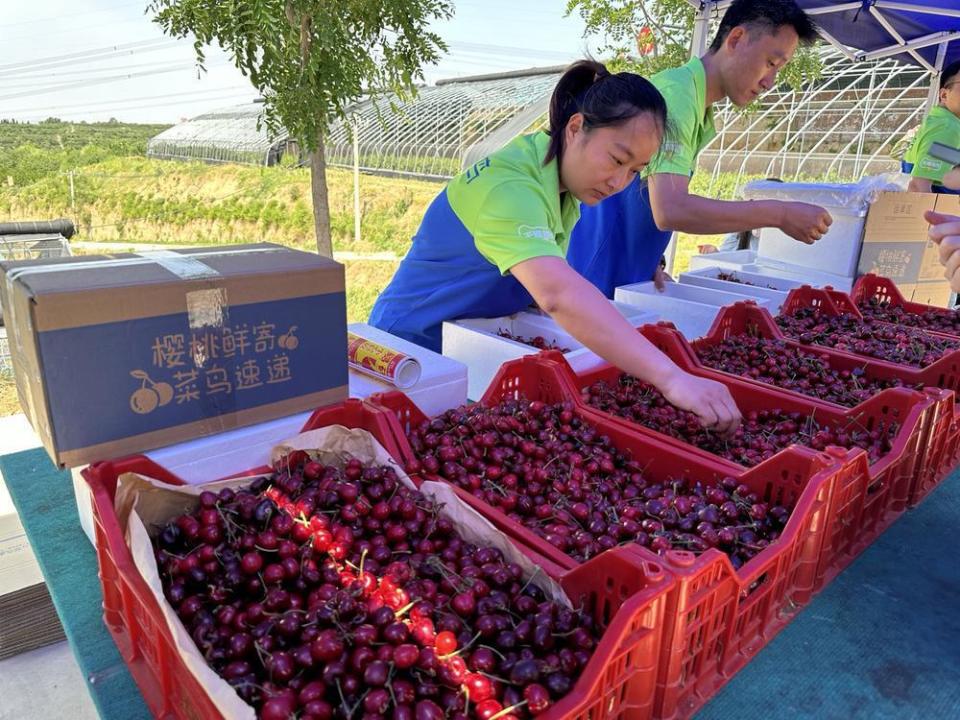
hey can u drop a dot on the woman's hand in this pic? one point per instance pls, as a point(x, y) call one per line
point(707, 399)
point(588, 316)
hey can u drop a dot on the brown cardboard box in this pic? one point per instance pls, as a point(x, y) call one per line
point(120, 354)
point(895, 244)
point(29, 619)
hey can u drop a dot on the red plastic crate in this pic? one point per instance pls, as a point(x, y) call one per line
point(717, 618)
point(891, 477)
point(935, 449)
point(944, 373)
point(874, 287)
point(627, 595)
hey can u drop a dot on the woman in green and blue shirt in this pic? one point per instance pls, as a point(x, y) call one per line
point(495, 239)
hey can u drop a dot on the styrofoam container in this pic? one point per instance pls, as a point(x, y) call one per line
point(476, 343)
point(84, 499)
point(583, 358)
point(692, 309)
point(443, 380)
point(802, 275)
point(635, 316)
point(839, 248)
point(762, 288)
point(728, 260)
point(229, 452)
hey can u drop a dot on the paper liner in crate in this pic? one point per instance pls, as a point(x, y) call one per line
point(144, 506)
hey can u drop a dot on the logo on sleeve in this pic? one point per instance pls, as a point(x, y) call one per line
point(531, 232)
point(474, 172)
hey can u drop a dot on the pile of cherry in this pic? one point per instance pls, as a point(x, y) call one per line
point(326, 592)
point(546, 468)
point(775, 362)
point(539, 342)
point(734, 278)
point(761, 435)
point(902, 345)
point(939, 321)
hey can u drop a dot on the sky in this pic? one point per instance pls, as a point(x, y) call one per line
point(99, 59)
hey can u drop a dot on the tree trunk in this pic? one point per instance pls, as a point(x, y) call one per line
point(321, 207)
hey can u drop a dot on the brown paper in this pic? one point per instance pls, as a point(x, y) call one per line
point(144, 506)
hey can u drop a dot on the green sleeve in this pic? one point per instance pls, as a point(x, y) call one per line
point(512, 225)
point(678, 151)
point(928, 167)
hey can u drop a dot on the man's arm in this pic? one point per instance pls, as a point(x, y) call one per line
point(675, 208)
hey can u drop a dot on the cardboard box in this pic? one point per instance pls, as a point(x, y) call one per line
point(120, 354)
point(29, 618)
point(895, 244)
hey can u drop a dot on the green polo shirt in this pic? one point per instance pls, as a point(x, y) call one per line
point(690, 120)
point(940, 126)
point(510, 203)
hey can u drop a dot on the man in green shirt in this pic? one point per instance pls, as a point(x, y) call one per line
point(942, 125)
point(621, 240)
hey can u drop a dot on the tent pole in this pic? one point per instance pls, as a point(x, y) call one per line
point(934, 92)
point(698, 47)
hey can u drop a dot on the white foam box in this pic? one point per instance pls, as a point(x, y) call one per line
point(443, 380)
point(728, 260)
point(762, 287)
point(838, 251)
point(476, 343)
point(800, 275)
point(635, 316)
point(224, 454)
point(692, 309)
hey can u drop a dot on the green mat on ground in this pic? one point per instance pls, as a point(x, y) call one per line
point(881, 642)
point(45, 502)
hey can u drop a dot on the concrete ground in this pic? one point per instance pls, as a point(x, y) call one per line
point(44, 683)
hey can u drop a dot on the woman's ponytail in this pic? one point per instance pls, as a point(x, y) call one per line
point(603, 98)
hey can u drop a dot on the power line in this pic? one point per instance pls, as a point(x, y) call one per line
point(83, 71)
point(117, 110)
point(114, 103)
point(87, 55)
point(38, 86)
point(91, 83)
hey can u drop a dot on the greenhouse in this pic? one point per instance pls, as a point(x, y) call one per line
point(446, 127)
point(846, 123)
point(231, 135)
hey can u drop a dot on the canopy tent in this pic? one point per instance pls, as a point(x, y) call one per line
point(919, 32)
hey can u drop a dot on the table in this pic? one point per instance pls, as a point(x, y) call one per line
point(882, 642)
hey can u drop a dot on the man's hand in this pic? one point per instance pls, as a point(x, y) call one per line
point(660, 279)
point(707, 249)
point(945, 231)
point(804, 222)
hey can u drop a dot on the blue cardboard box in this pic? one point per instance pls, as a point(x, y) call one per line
point(119, 354)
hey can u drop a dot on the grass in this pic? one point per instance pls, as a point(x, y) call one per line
point(9, 402)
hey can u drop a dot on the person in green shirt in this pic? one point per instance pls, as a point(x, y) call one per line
point(621, 240)
point(942, 125)
point(493, 241)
